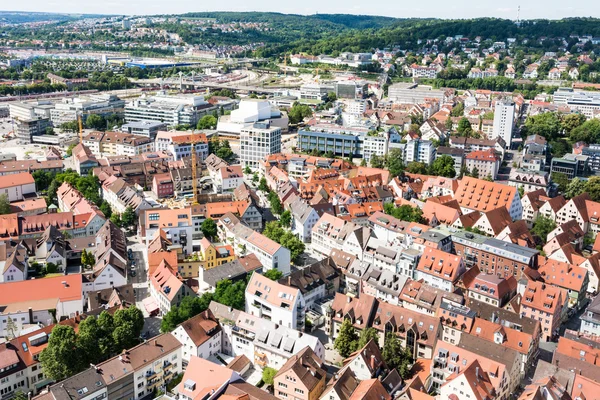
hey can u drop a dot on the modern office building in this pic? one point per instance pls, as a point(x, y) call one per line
point(258, 141)
point(69, 109)
point(144, 128)
point(585, 102)
point(351, 89)
point(571, 165)
point(340, 144)
point(170, 110)
point(30, 118)
point(412, 93)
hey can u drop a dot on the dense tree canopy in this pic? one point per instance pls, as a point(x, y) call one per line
point(97, 339)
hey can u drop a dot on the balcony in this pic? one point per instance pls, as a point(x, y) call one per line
point(153, 375)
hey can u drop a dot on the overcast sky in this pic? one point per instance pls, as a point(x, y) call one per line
point(433, 8)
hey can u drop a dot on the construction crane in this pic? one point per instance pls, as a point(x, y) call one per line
point(194, 169)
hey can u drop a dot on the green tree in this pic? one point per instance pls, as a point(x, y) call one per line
point(95, 121)
point(521, 191)
point(87, 258)
point(298, 112)
point(209, 228)
point(61, 358)
point(588, 132)
point(88, 336)
point(415, 167)
point(106, 210)
point(366, 335)
point(475, 172)
point(397, 357)
point(207, 122)
point(273, 274)
point(545, 124)
point(42, 179)
point(592, 187)
point(116, 219)
point(394, 162)
point(347, 341)
point(404, 212)
point(575, 188)
point(542, 226)
point(363, 163)
point(571, 121)
point(293, 244)
point(449, 123)
point(268, 375)
point(286, 219)
point(458, 110)
point(377, 161)
point(275, 203)
point(464, 127)
point(70, 149)
point(128, 217)
point(4, 204)
point(255, 178)
point(262, 186)
point(51, 268)
point(443, 166)
point(561, 180)
point(224, 151)
point(49, 130)
point(247, 170)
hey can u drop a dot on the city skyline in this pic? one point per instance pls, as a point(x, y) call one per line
point(552, 9)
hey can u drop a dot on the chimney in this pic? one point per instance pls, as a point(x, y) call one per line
point(155, 342)
point(289, 280)
point(348, 299)
point(477, 373)
point(30, 315)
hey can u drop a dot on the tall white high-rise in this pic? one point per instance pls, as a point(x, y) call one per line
point(504, 120)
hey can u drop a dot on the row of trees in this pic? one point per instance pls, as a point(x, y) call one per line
point(276, 232)
point(404, 212)
point(577, 186)
point(394, 355)
point(221, 148)
point(391, 161)
point(227, 292)
point(441, 166)
point(96, 340)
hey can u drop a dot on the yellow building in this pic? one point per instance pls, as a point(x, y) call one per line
point(213, 256)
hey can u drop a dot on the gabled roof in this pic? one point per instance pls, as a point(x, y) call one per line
point(307, 366)
point(201, 327)
point(360, 311)
point(441, 264)
point(498, 219)
point(371, 389)
point(481, 195)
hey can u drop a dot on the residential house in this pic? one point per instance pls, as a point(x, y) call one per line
point(302, 377)
point(547, 303)
point(279, 303)
point(440, 269)
point(200, 336)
